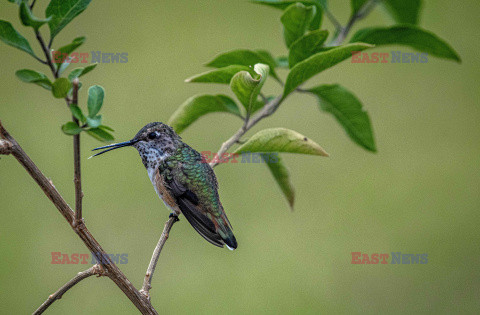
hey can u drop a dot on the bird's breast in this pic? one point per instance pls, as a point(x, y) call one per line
point(161, 190)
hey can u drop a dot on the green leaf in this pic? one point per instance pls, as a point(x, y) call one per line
point(77, 113)
point(243, 57)
point(96, 94)
point(348, 111)
point(307, 45)
point(64, 51)
point(69, 48)
point(78, 72)
point(17, 1)
point(403, 11)
point(100, 134)
point(106, 128)
point(63, 12)
point(63, 66)
point(94, 122)
point(281, 175)
point(60, 87)
point(319, 62)
point(281, 140)
point(11, 37)
point(296, 20)
point(30, 76)
point(266, 58)
point(318, 18)
point(247, 88)
point(71, 128)
point(222, 75)
point(283, 4)
point(407, 35)
point(28, 19)
point(199, 105)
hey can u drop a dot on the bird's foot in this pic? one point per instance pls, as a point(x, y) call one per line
point(174, 215)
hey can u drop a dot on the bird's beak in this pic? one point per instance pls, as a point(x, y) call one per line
point(114, 146)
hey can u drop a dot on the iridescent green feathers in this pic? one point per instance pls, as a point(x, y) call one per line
point(194, 185)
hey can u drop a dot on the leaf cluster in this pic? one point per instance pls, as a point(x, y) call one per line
point(59, 13)
point(309, 53)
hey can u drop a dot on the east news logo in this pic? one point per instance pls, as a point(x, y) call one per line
point(397, 258)
point(385, 57)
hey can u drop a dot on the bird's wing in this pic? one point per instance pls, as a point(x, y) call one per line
point(190, 206)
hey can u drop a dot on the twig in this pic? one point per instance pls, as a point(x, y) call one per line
point(33, 3)
point(94, 270)
point(77, 179)
point(360, 14)
point(46, 52)
point(49, 62)
point(333, 19)
point(52, 193)
point(147, 282)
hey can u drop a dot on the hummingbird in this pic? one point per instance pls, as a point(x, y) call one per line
point(183, 180)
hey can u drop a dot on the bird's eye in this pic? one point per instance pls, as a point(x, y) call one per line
point(152, 135)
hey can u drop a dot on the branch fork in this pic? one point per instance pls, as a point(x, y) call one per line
point(5, 147)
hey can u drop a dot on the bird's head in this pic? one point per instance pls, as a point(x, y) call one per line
point(153, 141)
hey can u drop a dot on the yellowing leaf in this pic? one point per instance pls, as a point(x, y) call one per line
point(281, 140)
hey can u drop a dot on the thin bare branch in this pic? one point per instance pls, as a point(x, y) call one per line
point(94, 270)
point(77, 178)
point(90, 242)
point(147, 282)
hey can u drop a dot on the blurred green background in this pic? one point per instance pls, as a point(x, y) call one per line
point(418, 194)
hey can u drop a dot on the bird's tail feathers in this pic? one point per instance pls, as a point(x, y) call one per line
point(227, 235)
